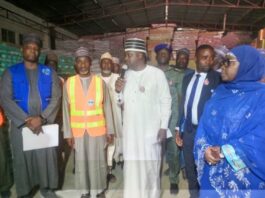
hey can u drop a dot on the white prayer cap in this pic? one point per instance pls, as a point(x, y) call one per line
point(135, 44)
point(81, 51)
point(106, 55)
point(116, 60)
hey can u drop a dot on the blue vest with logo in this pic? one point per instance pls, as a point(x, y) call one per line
point(21, 86)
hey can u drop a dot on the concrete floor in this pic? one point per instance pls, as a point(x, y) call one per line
point(115, 189)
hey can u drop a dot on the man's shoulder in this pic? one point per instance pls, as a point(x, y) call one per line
point(171, 71)
point(214, 74)
point(70, 77)
point(154, 70)
point(189, 74)
point(15, 66)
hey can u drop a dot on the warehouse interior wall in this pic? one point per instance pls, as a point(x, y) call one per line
point(19, 28)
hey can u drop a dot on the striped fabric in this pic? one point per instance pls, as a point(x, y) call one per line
point(81, 51)
point(135, 44)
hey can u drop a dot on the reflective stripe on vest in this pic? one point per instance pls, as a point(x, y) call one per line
point(75, 112)
point(89, 125)
point(86, 111)
point(1, 117)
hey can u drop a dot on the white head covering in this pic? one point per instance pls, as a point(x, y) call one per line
point(106, 55)
point(116, 60)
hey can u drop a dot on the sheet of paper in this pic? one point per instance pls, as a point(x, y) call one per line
point(49, 138)
point(169, 134)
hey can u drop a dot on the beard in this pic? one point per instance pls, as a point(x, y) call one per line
point(105, 71)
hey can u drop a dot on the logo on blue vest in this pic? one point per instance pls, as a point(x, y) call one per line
point(91, 102)
point(46, 71)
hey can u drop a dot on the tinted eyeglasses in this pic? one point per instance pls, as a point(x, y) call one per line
point(228, 59)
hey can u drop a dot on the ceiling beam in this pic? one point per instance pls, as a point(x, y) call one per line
point(250, 3)
point(88, 17)
point(216, 26)
point(129, 16)
point(229, 3)
point(244, 15)
point(100, 26)
point(259, 19)
point(206, 10)
point(145, 12)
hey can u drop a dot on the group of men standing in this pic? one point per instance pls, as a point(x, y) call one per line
point(106, 115)
point(189, 91)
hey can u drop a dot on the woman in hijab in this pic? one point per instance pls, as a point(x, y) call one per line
point(230, 142)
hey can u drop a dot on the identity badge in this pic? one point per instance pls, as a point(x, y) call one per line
point(91, 102)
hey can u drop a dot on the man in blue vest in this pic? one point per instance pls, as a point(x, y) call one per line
point(30, 95)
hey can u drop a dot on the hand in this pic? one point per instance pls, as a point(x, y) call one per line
point(119, 84)
point(70, 142)
point(34, 123)
point(110, 138)
point(212, 155)
point(162, 135)
point(179, 140)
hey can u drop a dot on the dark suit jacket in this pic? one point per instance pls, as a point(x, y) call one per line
point(207, 90)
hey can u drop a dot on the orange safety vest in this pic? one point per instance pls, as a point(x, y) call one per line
point(1, 117)
point(86, 111)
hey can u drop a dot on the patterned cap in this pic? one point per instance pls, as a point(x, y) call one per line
point(81, 51)
point(106, 55)
point(135, 44)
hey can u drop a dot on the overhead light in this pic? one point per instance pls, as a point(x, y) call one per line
point(114, 22)
point(179, 29)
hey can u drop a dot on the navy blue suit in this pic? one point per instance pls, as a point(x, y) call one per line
point(188, 136)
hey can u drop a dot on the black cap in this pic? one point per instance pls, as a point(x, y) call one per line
point(32, 38)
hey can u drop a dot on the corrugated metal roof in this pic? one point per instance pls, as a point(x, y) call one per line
point(88, 17)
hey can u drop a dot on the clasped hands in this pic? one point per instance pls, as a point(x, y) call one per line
point(34, 123)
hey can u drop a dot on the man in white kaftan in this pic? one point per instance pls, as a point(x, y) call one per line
point(114, 151)
point(147, 108)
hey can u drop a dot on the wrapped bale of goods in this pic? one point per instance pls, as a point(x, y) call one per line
point(9, 55)
point(95, 68)
point(185, 39)
point(232, 39)
point(100, 47)
point(150, 49)
point(161, 33)
point(141, 33)
point(210, 38)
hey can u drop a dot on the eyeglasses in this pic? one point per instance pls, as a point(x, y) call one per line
point(227, 61)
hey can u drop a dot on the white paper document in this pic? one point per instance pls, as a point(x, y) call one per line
point(169, 134)
point(49, 138)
